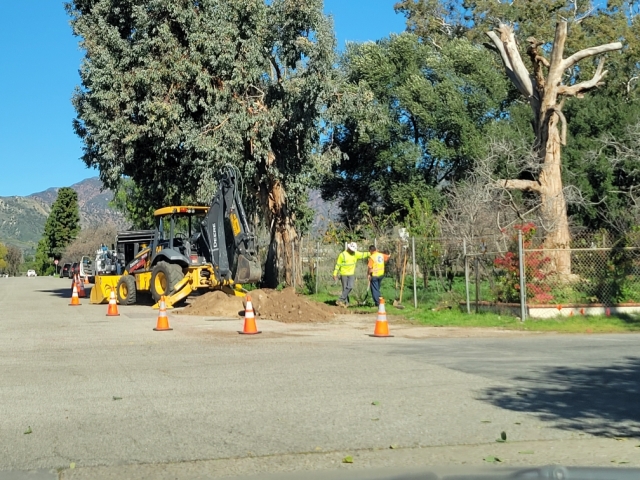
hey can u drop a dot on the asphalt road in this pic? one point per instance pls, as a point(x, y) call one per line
point(108, 397)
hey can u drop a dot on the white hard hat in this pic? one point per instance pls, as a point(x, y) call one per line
point(353, 246)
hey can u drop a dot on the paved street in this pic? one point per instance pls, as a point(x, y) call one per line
point(112, 398)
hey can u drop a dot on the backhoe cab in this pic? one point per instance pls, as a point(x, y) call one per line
point(192, 248)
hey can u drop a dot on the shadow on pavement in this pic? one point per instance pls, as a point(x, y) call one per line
point(63, 292)
point(596, 400)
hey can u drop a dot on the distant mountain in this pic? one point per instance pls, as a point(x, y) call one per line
point(22, 219)
point(325, 212)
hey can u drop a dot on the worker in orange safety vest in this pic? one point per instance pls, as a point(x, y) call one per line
point(376, 272)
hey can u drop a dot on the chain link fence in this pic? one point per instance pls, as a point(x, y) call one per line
point(453, 273)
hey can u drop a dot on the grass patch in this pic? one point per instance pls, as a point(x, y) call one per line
point(453, 317)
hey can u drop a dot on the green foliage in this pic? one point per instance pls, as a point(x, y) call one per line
point(423, 224)
point(173, 91)
point(131, 201)
point(609, 112)
point(3, 257)
point(434, 107)
point(61, 228)
point(13, 260)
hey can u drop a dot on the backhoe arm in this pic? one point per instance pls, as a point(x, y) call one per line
point(231, 244)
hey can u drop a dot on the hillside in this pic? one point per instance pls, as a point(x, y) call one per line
point(22, 219)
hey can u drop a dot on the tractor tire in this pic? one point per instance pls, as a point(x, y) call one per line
point(164, 277)
point(126, 290)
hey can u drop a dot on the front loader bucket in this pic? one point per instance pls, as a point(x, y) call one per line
point(248, 270)
point(101, 291)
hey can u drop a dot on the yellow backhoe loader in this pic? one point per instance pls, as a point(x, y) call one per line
point(192, 248)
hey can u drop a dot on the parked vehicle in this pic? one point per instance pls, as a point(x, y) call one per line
point(64, 272)
point(31, 273)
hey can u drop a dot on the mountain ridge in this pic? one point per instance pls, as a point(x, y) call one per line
point(22, 218)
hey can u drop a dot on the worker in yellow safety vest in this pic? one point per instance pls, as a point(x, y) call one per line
point(376, 272)
point(346, 268)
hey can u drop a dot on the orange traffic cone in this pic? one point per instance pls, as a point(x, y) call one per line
point(163, 320)
point(382, 327)
point(250, 327)
point(81, 292)
point(75, 301)
point(112, 310)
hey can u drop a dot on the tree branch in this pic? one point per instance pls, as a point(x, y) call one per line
point(558, 45)
point(579, 89)
point(590, 52)
point(537, 60)
point(523, 185)
point(516, 71)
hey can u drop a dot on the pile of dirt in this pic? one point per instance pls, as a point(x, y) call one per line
point(284, 306)
point(217, 304)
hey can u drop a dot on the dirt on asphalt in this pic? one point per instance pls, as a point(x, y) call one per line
point(285, 306)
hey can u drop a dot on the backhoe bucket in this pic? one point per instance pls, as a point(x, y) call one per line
point(248, 270)
point(101, 291)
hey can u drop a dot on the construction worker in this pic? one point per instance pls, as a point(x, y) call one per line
point(376, 272)
point(346, 268)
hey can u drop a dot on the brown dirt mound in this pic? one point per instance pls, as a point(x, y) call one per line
point(284, 306)
point(217, 304)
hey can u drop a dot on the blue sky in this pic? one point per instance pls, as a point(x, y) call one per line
point(39, 61)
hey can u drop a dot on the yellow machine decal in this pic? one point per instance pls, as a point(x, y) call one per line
point(235, 224)
point(143, 281)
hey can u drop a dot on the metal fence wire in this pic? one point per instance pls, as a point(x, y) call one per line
point(453, 273)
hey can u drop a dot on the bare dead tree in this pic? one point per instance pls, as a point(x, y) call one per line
point(477, 213)
point(88, 241)
point(546, 95)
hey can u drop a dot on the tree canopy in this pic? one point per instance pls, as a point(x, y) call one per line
point(61, 228)
point(434, 109)
point(609, 111)
point(172, 91)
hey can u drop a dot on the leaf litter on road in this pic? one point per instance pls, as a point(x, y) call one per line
point(28, 431)
point(492, 459)
point(526, 452)
point(347, 459)
point(375, 402)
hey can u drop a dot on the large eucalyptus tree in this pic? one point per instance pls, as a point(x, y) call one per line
point(172, 90)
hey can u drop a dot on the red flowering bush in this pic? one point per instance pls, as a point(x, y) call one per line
point(535, 267)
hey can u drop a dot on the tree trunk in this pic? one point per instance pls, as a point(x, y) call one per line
point(554, 207)
point(283, 251)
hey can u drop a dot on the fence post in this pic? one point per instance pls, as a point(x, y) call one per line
point(317, 264)
point(523, 280)
point(466, 274)
point(415, 291)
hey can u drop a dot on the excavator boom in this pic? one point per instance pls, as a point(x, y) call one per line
point(229, 244)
